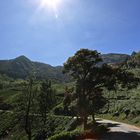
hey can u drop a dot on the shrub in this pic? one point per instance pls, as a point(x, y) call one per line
point(66, 135)
point(97, 132)
point(7, 122)
point(135, 113)
point(136, 120)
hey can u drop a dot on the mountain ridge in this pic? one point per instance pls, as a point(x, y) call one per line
point(22, 67)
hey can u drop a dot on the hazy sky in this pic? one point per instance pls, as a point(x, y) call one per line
point(51, 33)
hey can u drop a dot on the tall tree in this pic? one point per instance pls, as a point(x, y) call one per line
point(91, 78)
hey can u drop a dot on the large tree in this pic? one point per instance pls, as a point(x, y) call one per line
point(91, 78)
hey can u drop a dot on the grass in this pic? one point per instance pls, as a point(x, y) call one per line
point(8, 95)
point(60, 88)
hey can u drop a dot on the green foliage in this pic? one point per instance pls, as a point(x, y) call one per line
point(82, 63)
point(52, 126)
point(8, 95)
point(94, 132)
point(59, 109)
point(133, 61)
point(72, 135)
point(7, 122)
point(55, 121)
point(25, 108)
point(46, 99)
point(130, 101)
point(81, 67)
point(60, 87)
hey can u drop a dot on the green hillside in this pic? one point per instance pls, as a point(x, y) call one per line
point(125, 104)
point(22, 67)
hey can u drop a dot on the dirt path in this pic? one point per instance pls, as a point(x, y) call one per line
point(121, 131)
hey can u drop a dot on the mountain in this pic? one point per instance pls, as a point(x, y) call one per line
point(113, 58)
point(133, 61)
point(22, 67)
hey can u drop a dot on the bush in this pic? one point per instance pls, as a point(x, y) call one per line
point(135, 113)
point(7, 122)
point(96, 132)
point(66, 135)
point(137, 120)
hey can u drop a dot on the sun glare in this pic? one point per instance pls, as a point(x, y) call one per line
point(54, 4)
point(51, 5)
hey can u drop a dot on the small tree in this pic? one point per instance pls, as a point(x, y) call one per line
point(25, 108)
point(46, 99)
point(29, 109)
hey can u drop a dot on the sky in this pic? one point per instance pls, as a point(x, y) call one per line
point(51, 32)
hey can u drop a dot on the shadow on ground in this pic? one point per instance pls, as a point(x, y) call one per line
point(112, 124)
point(119, 135)
point(122, 136)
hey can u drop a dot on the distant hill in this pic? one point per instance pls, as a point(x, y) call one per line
point(133, 61)
point(21, 67)
point(113, 58)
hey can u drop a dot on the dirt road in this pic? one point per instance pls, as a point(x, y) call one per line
point(121, 131)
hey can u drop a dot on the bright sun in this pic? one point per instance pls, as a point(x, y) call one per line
point(50, 4)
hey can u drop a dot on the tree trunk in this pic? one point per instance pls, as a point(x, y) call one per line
point(85, 123)
point(27, 115)
point(44, 116)
point(29, 136)
point(93, 118)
